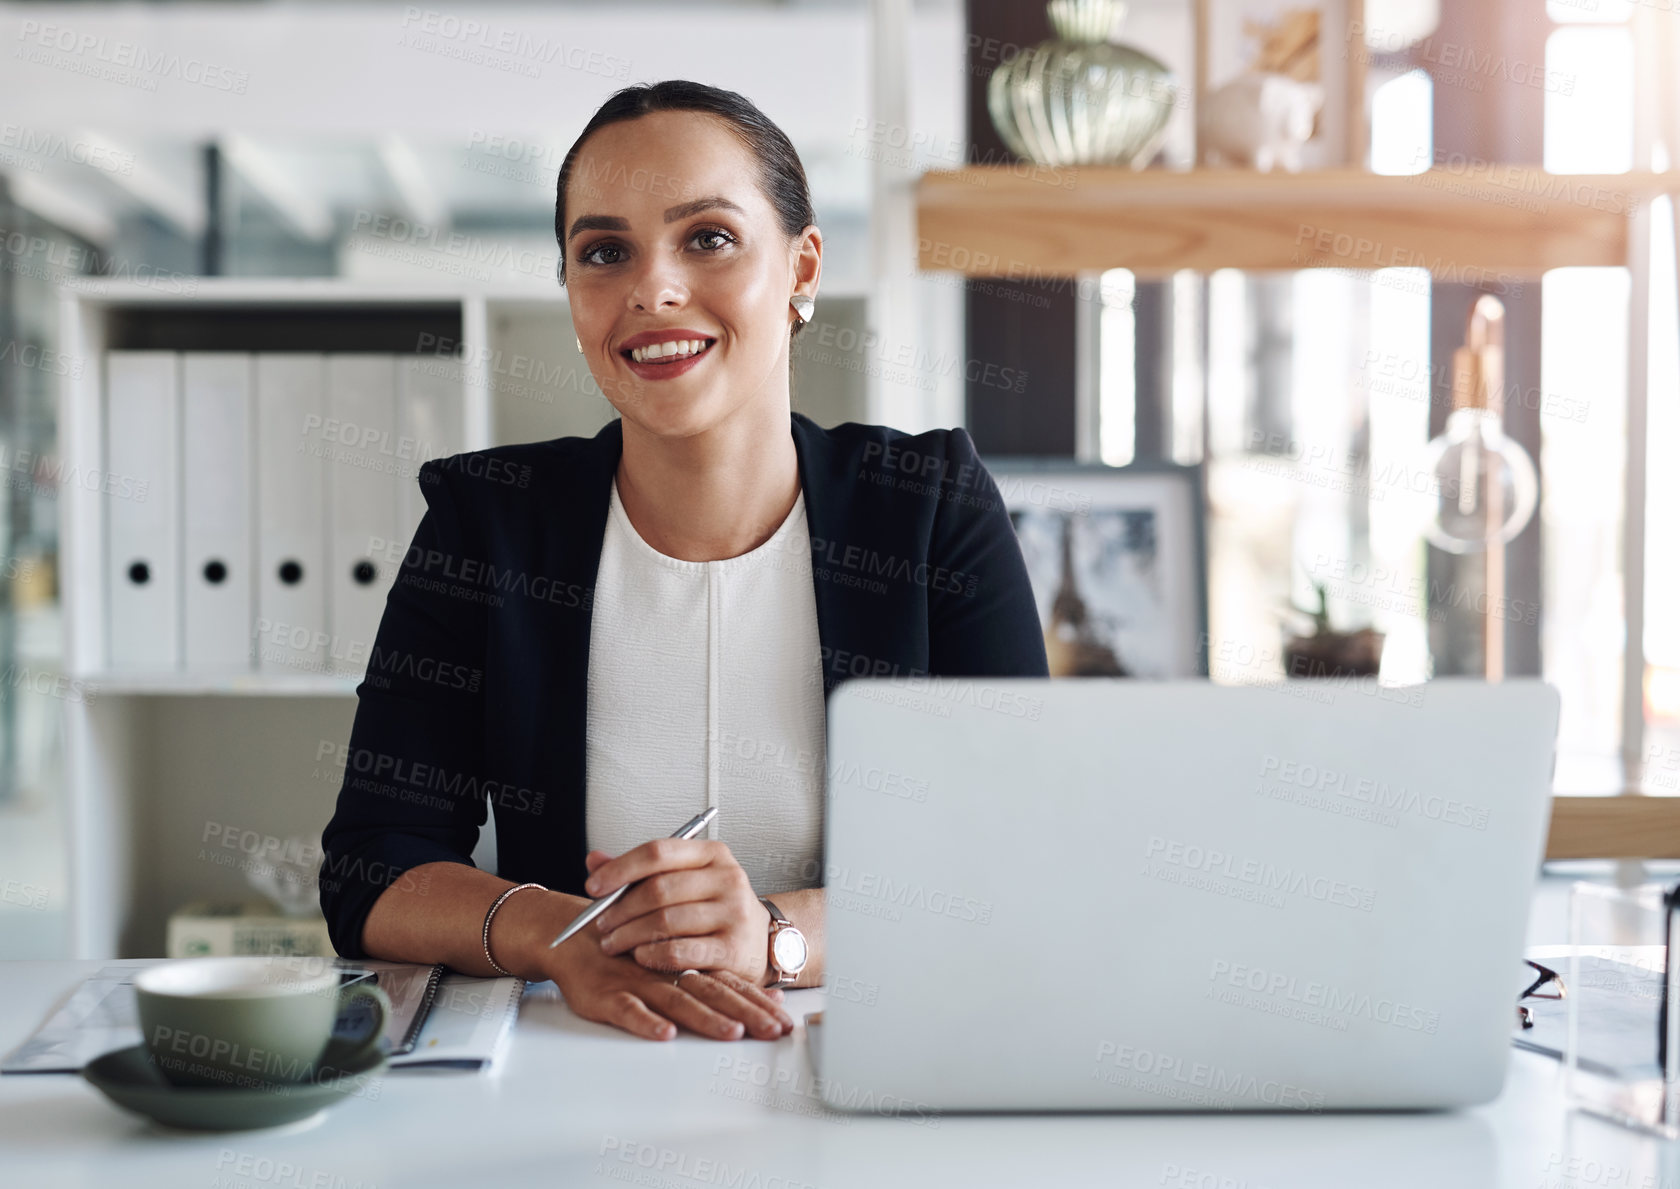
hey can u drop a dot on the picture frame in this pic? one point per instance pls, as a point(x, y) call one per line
point(1118, 562)
point(1235, 36)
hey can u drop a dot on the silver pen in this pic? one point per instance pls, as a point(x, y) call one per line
point(694, 826)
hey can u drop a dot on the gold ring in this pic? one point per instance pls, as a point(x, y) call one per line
point(677, 982)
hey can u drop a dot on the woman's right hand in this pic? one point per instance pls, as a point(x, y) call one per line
point(617, 990)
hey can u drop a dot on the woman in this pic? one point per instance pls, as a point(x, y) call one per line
point(603, 636)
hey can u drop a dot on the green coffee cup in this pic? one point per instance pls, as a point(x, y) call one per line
point(250, 1022)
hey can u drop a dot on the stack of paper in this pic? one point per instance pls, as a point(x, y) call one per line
point(1618, 1018)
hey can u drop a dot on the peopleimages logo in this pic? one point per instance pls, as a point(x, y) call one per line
point(1240, 984)
point(1380, 795)
point(823, 1092)
point(1267, 881)
point(872, 894)
point(863, 560)
point(1196, 1083)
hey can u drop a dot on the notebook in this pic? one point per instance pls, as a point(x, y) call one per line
point(439, 1019)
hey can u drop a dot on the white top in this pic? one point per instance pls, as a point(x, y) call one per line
point(705, 688)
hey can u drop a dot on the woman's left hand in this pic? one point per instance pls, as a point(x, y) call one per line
point(694, 909)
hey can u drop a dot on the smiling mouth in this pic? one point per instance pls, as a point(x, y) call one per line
point(706, 345)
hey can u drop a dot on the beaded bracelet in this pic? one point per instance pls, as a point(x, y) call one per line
point(495, 965)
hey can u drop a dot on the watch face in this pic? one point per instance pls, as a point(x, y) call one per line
point(791, 950)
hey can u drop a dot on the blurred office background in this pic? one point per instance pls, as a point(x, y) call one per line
point(394, 145)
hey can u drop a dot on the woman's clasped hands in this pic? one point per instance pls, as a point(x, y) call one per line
point(687, 946)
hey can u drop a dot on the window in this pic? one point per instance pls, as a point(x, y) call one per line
point(1316, 398)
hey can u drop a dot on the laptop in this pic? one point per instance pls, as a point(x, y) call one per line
point(1114, 895)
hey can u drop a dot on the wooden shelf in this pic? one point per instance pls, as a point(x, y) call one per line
point(1625, 827)
point(1024, 223)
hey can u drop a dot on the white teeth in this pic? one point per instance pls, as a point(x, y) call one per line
point(673, 347)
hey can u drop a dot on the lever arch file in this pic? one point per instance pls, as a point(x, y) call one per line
point(431, 419)
point(362, 452)
point(216, 488)
point(142, 509)
point(291, 627)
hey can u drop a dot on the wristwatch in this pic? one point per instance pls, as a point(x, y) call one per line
point(788, 949)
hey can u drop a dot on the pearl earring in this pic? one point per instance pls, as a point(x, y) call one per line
point(579, 342)
point(802, 305)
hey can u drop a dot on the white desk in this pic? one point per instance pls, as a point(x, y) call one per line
point(578, 1104)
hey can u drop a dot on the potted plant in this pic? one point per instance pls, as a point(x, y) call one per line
point(1327, 652)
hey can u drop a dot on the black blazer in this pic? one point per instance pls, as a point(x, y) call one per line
point(476, 682)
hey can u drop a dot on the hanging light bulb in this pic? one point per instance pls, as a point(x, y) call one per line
point(1484, 483)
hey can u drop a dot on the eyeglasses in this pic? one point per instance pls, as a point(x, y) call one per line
point(1548, 976)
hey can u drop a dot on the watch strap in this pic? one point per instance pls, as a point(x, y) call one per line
point(778, 921)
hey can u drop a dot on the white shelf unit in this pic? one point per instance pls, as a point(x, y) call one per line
point(162, 770)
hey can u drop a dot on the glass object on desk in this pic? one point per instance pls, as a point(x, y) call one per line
point(1621, 973)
